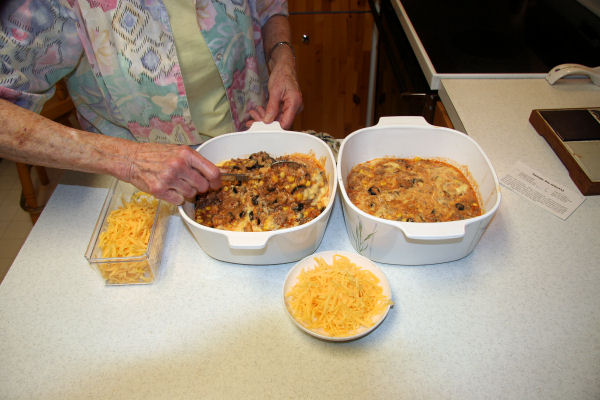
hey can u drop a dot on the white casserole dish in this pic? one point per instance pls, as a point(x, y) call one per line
point(411, 243)
point(272, 247)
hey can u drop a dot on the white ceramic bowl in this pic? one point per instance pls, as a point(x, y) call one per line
point(309, 263)
point(272, 247)
point(412, 243)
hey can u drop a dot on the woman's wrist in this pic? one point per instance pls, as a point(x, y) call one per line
point(281, 55)
point(276, 46)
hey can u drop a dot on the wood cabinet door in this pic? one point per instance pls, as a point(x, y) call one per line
point(327, 5)
point(332, 61)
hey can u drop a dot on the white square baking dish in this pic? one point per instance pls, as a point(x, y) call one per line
point(270, 247)
point(414, 243)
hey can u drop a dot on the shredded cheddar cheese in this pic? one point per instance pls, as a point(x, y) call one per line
point(337, 299)
point(127, 235)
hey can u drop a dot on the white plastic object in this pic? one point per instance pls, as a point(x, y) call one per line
point(262, 127)
point(563, 70)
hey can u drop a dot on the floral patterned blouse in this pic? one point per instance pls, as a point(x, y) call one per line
point(120, 62)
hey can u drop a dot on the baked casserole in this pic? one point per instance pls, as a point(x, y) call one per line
point(272, 196)
point(412, 190)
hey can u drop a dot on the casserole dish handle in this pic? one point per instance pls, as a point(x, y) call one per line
point(445, 230)
point(403, 121)
point(243, 241)
point(262, 127)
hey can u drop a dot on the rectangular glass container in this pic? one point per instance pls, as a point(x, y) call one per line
point(138, 269)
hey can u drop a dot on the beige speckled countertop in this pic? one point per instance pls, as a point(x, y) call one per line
point(519, 318)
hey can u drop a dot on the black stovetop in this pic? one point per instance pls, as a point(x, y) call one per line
point(505, 36)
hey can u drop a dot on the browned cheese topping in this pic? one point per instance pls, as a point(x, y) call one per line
point(275, 197)
point(412, 190)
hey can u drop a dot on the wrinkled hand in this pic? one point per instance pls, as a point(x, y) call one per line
point(171, 172)
point(285, 97)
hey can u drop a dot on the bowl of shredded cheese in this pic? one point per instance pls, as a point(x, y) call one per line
point(127, 242)
point(337, 295)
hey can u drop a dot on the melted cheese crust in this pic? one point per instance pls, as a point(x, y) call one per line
point(412, 190)
point(284, 196)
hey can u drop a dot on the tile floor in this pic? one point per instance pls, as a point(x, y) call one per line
point(15, 223)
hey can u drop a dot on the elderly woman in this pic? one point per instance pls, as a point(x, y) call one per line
point(151, 76)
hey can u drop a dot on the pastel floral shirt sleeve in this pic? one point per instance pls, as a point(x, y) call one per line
point(119, 59)
point(39, 45)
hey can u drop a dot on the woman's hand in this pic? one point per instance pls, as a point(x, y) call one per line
point(171, 172)
point(285, 97)
point(257, 114)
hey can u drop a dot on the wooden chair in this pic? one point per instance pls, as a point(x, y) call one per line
point(60, 109)
point(29, 201)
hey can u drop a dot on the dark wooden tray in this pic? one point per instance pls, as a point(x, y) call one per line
point(564, 128)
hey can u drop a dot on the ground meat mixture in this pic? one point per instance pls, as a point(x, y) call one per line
point(274, 197)
point(412, 190)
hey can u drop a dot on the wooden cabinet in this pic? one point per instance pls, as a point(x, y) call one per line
point(332, 40)
point(324, 6)
point(441, 117)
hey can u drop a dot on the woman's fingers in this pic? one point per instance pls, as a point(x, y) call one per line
point(172, 173)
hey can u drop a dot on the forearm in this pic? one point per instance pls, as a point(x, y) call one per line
point(30, 138)
point(277, 29)
point(285, 98)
